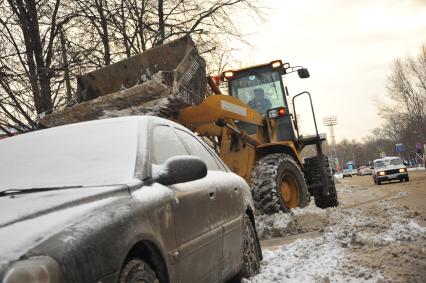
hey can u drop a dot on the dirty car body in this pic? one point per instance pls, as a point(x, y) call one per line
point(102, 196)
point(388, 169)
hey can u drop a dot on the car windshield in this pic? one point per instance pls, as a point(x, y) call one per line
point(87, 154)
point(380, 164)
point(260, 89)
point(395, 161)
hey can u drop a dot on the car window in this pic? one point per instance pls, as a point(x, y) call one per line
point(196, 148)
point(380, 164)
point(219, 161)
point(395, 161)
point(165, 145)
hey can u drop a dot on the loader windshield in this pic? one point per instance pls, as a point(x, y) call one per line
point(260, 89)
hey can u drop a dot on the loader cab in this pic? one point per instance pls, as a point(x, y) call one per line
point(261, 88)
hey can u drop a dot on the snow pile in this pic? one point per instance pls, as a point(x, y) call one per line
point(404, 232)
point(403, 194)
point(346, 188)
point(299, 220)
point(315, 260)
point(354, 245)
point(300, 261)
point(275, 225)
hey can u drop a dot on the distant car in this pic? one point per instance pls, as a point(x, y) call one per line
point(365, 170)
point(134, 199)
point(347, 173)
point(388, 169)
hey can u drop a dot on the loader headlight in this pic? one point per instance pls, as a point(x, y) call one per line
point(277, 64)
point(382, 173)
point(278, 112)
point(228, 74)
point(41, 269)
point(402, 170)
point(273, 113)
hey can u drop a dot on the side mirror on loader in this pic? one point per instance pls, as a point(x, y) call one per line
point(303, 73)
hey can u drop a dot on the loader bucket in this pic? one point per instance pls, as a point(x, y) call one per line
point(179, 57)
point(159, 82)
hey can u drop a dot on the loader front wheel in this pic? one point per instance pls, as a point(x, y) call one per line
point(278, 184)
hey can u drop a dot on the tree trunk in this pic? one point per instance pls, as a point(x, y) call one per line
point(161, 32)
point(65, 66)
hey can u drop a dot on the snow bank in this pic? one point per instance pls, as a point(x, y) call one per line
point(346, 250)
point(299, 220)
point(316, 260)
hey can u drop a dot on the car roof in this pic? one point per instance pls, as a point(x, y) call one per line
point(387, 158)
point(143, 119)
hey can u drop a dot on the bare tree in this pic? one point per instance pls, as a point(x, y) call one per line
point(404, 112)
point(45, 44)
point(29, 32)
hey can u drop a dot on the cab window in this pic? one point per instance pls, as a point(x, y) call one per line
point(261, 90)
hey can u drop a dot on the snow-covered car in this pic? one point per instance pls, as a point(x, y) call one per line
point(365, 170)
point(388, 169)
point(346, 173)
point(133, 199)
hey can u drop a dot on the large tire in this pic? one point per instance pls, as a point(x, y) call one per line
point(137, 271)
point(278, 184)
point(252, 253)
point(313, 176)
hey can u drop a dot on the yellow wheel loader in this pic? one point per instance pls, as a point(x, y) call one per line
point(251, 127)
point(256, 135)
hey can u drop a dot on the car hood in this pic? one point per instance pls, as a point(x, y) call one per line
point(28, 219)
point(390, 167)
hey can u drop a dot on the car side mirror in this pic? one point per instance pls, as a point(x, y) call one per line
point(180, 169)
point(303, 73)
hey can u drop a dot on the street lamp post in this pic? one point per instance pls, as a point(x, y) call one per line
point(330, 122)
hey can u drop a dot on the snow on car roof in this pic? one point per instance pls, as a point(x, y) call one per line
point(91, 153)
point(386, 158)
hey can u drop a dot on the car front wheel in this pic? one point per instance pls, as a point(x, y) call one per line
point(137, 271)
point(252, 253)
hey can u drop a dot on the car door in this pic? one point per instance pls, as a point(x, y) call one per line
point(228, 209)
point(197, 231)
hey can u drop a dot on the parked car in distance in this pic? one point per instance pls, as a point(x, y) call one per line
point(347, 173)
point(364, 170)
point(131, 199)
point(388, 169)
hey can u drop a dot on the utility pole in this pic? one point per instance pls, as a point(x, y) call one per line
point(330, 122)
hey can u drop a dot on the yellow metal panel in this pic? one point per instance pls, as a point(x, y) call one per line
point(218, 107)
point(209, 130)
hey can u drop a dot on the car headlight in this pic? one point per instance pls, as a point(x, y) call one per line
point(382, 173)
point(41, 269)
point(402, 170)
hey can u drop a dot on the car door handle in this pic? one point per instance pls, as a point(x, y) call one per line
point(211, 195)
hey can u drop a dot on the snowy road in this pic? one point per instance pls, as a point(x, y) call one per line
point(377, 235)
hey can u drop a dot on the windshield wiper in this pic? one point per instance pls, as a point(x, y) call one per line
point(13, 192)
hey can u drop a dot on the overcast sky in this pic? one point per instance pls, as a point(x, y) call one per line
point(348, 47)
